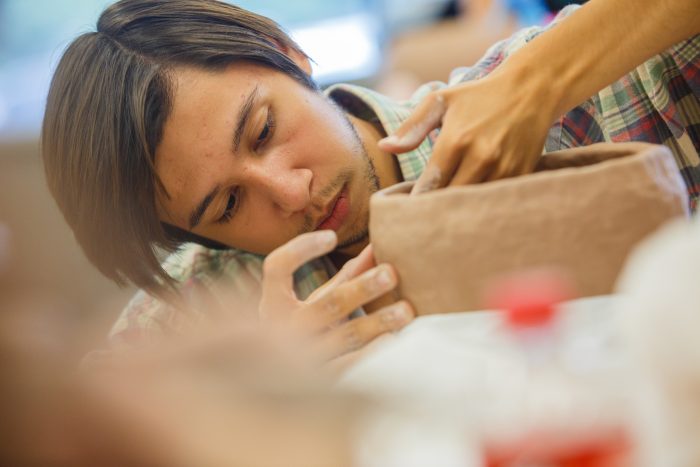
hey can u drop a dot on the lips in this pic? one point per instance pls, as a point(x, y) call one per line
point(338, 212)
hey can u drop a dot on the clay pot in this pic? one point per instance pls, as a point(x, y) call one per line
point(447, 245)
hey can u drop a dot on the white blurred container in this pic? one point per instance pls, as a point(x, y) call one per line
point(661, 322)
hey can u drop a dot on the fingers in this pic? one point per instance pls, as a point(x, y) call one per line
point(457, 158)
point(426, 117)
point(279, 266)
point(476, 170)
point(355, 334)
point(356, 266)
point(431, 179)
point(468, 161)
point(353, 268)
point(446, 158)
point(339, 302)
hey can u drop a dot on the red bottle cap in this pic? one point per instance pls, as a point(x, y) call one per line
point(530, 299)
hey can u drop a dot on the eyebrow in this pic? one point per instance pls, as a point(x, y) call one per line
point(243, 116)
point(201, 208)
point(242, 120)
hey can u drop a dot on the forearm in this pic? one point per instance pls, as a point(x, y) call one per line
point(597, 44)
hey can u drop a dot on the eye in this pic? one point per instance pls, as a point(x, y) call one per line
point(231, 206)
point(266, 131)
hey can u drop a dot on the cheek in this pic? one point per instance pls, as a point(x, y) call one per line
point(260, 229)
point(322, 139)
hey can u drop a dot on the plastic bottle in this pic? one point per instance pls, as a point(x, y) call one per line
point(555, 430)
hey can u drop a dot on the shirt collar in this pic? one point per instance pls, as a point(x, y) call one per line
point(374, 107)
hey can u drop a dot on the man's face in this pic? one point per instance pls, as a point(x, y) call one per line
point(251, 158)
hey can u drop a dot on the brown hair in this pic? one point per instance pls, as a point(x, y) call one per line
point(107, 104)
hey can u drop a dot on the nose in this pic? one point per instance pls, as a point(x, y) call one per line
point(288, 188)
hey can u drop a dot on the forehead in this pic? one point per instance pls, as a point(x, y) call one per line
point(197, 91)
point(204, 101)
point(201, 123)
point(205, 105)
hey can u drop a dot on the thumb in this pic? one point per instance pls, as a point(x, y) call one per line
point(425, 118)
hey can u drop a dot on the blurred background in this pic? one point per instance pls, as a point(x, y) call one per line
point(389, 45)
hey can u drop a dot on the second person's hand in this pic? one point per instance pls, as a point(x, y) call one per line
point(491, 128)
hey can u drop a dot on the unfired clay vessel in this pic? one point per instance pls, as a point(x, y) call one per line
point(447, 245)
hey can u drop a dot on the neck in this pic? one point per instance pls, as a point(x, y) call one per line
point(386, 164)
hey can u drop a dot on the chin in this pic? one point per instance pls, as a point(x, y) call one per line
point(351, 240)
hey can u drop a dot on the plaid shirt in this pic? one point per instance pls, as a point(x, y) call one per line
point(658, 102)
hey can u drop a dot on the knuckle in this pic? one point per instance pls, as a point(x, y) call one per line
point(485, 155)
point(396, 316)
point(458, 139)
point(509, 168)
point(333, 304)
point(367, 288)
point(432, 98)
point(353, 337)
point(378, 280)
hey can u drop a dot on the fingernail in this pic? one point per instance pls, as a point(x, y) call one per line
point(399, 313)
point(332, 307)
point(385, 278)
point(392, 140)
point(326, 238)
point(428, 181)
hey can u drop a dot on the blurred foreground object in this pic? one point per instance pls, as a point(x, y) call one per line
point(215, 402)
point(220, 396)
point(661, 317)
point(531, 303)
point(477, 389)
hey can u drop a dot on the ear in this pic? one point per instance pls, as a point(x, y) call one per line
point(301, 60)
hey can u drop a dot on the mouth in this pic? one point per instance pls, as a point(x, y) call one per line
point(337, 213)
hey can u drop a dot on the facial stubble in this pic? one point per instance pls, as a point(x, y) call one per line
point(369, 180)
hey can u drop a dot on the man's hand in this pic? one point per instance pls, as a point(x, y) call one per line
point(323, 316)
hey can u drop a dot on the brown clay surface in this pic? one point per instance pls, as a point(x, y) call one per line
point(448, 244)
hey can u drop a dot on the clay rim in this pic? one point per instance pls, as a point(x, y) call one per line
point(654, 151)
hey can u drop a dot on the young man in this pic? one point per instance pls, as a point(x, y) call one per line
point(193, 120)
